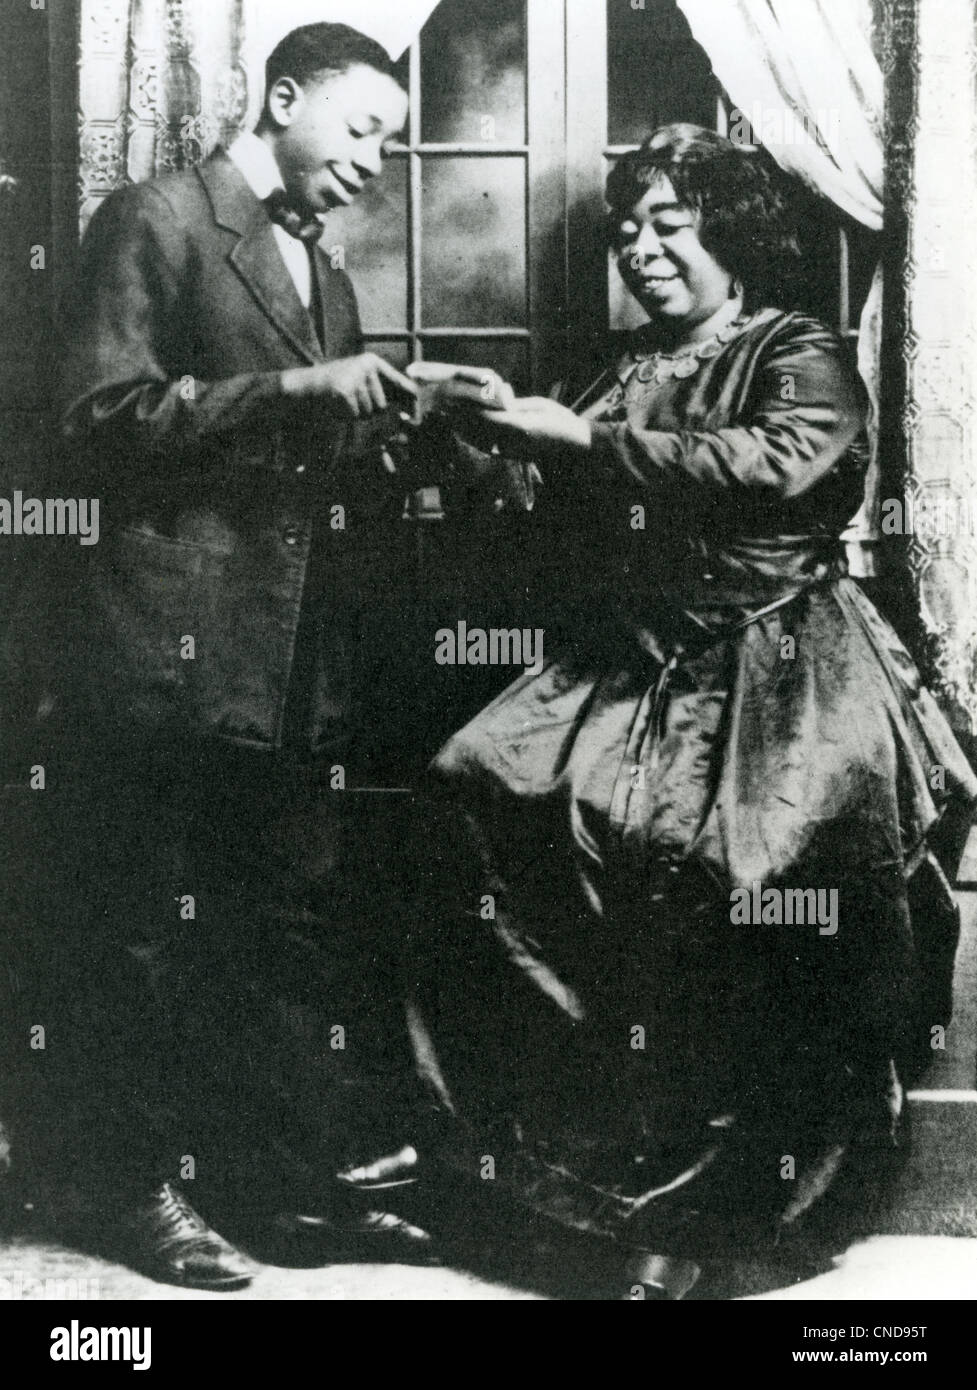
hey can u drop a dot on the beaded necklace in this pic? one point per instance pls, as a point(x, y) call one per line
point(660, 367)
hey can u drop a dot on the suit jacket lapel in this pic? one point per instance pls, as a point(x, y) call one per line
point(258, 261)
point(255, 255)
point(335, 328)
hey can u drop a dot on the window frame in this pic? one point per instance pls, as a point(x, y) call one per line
point(544, 191)
point(566, 157)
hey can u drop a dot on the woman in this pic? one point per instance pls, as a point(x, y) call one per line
point(673, 977)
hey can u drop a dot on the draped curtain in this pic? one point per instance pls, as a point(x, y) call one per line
point(813, 59)
point(911, 114)
point(804, 74)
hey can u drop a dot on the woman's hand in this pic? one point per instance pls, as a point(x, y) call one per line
point(534, 426)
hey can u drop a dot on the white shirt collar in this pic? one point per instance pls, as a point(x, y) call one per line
point(258, 166)
point(257, 163)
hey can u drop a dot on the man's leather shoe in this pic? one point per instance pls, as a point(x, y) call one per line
point(165, 1238)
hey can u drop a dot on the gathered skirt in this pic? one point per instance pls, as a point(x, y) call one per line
point(686, 927)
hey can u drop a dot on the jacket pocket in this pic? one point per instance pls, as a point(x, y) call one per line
point(140, 618)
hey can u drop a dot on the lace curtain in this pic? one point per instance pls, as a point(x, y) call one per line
point(929, 416)
point(161, 82)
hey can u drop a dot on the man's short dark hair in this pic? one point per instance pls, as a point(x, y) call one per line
point(318, 50)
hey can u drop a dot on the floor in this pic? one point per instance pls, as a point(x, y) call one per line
point(922, 1246)
point(882, 1267)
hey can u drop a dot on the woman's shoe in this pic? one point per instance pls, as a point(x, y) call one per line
point(392, 1170)
point(646, 1293)
point(659, 1278)
point(371, 1237)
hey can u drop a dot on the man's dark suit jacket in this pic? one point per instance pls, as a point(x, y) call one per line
point(211, 483)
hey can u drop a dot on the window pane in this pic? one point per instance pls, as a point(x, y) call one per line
point(656, 71)
point(507, 356)
point(373, 235)
point(473, 73)
point(474, 242)
point(397, 353)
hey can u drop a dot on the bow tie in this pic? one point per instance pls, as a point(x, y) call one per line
point(304, 228)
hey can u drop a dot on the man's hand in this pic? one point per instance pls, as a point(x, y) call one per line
point(353, 387)
point(533, 427)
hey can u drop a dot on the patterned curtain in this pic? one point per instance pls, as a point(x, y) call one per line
point(929, 409)
point(161, 82)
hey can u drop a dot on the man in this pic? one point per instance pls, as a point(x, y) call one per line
point(226, 963)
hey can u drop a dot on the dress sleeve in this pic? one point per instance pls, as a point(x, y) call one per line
point(802, 414)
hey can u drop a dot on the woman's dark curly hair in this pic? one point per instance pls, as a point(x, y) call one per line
point(744, 211)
